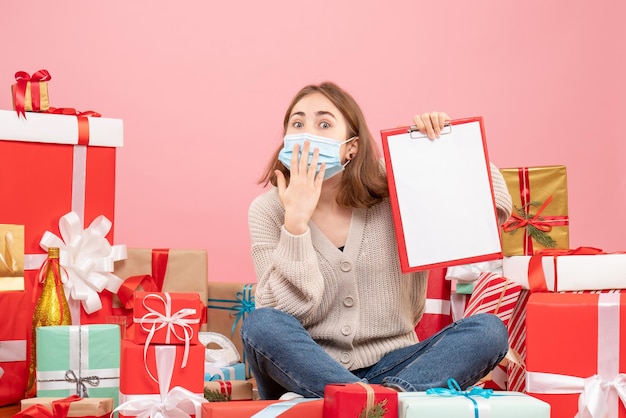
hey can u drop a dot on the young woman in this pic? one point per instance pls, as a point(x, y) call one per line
point(332, 305)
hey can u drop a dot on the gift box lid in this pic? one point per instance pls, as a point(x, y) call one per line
point(60, 129)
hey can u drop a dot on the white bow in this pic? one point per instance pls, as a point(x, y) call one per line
point(168, 320)
point(87, 259)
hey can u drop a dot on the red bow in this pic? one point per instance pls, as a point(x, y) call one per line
point(536, 276)
point(59, 409)
point(23, 78)
point(83, 122)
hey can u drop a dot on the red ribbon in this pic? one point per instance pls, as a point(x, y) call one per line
point(23, 78)
point(149, 282)
point(83, 122)
point(544, 224)
point(60, 409)
point(536, 276)
point(226, 388)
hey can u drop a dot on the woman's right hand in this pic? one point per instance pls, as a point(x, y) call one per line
point(300, 197)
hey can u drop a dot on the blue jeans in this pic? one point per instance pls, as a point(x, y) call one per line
point(284, 358)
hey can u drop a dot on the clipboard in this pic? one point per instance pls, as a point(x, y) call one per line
point(441, 195)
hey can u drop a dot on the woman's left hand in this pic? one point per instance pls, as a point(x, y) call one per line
point(431, 123)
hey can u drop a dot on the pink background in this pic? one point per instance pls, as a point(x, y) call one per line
point(202, 87)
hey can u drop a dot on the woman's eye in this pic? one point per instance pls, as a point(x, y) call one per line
point(298, 125)
point(325, 125)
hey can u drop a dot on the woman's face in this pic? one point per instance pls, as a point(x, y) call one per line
point(315, 114)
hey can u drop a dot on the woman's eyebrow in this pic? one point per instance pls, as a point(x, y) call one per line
point(325, 113)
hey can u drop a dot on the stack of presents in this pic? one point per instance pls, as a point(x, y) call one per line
point(152, 336)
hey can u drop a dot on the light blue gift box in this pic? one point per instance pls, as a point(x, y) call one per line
point(236, 371)
point(500, 404)
point(78, 359)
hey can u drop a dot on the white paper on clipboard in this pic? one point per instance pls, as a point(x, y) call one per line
point(441, 196)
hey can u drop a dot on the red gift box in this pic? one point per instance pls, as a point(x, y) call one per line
point(349, 400)
point(13, 347)
point(140, 371)
point(167, 317)
point(575, 345)
point(309, 408)
point(58, 164)
point(437, 314)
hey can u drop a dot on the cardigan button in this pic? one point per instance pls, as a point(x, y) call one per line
point(345, 266)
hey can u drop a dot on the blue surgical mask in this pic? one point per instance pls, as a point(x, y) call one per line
point(329, 152)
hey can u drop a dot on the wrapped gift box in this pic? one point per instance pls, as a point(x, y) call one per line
point(500, 404)
point(575, 344)
point(82, 407)
point(235, 371)
point(167, 317)
point(298, 408)
point(13, 347)
point(516, 372)
point(540, 215)
point(343, 400)
point(11, 257)
point(161, 270)
point(140, 377)
point(30, 93)
point(568, 272)
point(494, 294)
point(437, 314)
point(71, 359)
point(58, 164)
point(228, 305)
point(228, 390)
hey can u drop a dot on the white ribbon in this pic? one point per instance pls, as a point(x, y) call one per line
point(598, 393)
point(175, 403)
point(169, 321)
point(87, 259)
point(12, 350)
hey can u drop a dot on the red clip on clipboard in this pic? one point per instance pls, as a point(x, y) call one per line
point(441, 195)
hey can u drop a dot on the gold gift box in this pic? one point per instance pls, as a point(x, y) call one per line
point(11, 257)
point(540, 216)
point(44, 101)
point(86, 407)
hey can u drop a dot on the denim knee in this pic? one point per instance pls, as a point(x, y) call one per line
point(494, 331)
point(255, 323)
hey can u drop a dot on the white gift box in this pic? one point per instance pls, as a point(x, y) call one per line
point(571, 272)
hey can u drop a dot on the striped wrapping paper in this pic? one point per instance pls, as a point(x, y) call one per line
point(493, 294)
point(516, 373)
point(499, 296)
